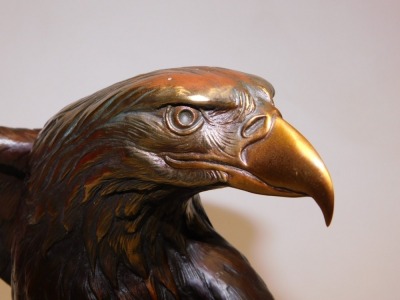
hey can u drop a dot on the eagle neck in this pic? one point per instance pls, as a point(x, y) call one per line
point(144, 230)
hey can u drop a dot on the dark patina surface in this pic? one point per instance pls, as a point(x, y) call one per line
point(102, 203)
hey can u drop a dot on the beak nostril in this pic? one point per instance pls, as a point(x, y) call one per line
point(254, 125)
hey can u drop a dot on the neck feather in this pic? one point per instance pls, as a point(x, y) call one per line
point(137, 230)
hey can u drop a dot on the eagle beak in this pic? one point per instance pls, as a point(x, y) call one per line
point(284, 163)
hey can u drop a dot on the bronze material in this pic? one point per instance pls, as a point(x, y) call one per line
point(295, 169)
point(103, 202)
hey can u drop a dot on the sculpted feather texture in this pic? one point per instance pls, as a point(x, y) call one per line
point(108, 190)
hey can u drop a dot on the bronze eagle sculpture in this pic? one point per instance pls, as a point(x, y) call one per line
point(102, 203)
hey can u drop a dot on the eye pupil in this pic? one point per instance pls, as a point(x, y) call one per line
point(186, 117)
point(183, 120)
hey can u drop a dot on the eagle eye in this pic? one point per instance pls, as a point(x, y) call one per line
point(183, 120)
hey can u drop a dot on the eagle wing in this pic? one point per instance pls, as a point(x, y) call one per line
point(15, 148)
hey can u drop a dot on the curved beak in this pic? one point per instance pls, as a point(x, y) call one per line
point(284, 163)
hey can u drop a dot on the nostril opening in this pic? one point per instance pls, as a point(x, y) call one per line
point(254, 125)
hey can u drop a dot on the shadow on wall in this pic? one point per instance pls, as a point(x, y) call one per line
point(5, 291)
point(242, 232)
point(235, 228)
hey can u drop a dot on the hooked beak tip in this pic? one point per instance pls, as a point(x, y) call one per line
point(327, 202)
point(287, 160)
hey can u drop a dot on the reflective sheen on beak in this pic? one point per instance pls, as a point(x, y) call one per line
point(287, 165)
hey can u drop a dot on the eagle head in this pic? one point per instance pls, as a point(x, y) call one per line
point(193, 129)
point(111, 197)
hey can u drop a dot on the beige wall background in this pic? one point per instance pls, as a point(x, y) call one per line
point(336, 68)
